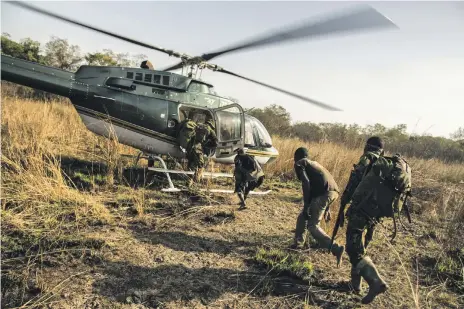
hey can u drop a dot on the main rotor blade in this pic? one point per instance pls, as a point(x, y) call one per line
point(363, 19)
point(41, 11)
point(360, 20)
point(320, 104)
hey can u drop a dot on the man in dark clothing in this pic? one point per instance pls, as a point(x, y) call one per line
point(319, 191)
point(248, 175)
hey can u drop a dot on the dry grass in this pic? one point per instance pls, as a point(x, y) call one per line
point(40, 199)
point(339, 161)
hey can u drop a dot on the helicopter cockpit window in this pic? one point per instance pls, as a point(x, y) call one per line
point(264, 137)
point(157, 79)
point(148, 78)
point(130, 75)
point(138, 76)
point(229, 123)
point(166, 80)
point(249, 139)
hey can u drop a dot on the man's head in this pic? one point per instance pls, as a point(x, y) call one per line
point(210, 122)
point(146, 65)
point(374, 143)
point(300, 153)
point(240, 151)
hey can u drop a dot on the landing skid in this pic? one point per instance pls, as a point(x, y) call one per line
point(172, 188)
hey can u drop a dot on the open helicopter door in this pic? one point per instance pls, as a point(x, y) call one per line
point(230, 129)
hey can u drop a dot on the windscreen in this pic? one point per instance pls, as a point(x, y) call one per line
point(249, 138)
point(229, 123)
point(264, 137)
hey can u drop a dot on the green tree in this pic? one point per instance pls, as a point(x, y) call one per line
point(59, 53)
point(11, 48)
point(275, 118)
point(105, 58)
point(31, 50)
point(26, 49)
point(458, 134)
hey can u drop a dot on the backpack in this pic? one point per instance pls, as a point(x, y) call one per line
point(257, 174)
point(385, 185)
point(201, 133)
point(186, 132)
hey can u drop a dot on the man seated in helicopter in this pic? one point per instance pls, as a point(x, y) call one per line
point(146, 65)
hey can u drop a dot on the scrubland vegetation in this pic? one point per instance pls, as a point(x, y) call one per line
point(83, 227)
point(72, 204)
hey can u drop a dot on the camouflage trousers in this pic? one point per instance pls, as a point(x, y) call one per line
point(196, 160)
point(355, 247)
point(311, 217)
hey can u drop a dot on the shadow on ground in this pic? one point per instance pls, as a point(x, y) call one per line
point(188, 243)
point(163, 284)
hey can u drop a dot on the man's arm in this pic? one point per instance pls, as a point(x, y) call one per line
point(356, 176)
point(306, 184)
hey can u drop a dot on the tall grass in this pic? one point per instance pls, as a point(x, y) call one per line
point(37, 195)
point(339, 160)
point(39, 198)
point(35, 135)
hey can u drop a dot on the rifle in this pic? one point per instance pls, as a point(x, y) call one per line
point(406, 207)
point(340, 218)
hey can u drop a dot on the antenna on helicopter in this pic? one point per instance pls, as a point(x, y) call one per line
point(363, 19)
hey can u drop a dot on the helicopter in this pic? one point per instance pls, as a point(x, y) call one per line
point(145, 106)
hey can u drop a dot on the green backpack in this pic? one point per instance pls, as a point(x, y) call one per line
point(201, 133)
point(186, 133)
point(385, 186)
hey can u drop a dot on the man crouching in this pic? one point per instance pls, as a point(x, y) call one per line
point(248, 175)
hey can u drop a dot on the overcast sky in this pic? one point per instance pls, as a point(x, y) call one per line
point(412, 75)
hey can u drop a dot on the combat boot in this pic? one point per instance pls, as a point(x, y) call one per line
point(355, 281)
point(369, 273)
point(242, 201)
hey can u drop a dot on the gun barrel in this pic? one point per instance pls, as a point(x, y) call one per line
point(37, 76)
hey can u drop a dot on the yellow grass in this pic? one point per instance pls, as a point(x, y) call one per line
point(339, 161)
point(38, 197)
point(36, 134)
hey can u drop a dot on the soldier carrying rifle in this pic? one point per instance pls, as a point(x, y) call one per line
point(378, 188)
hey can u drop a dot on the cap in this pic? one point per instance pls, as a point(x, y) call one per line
point(301, 153)
point(375, 142)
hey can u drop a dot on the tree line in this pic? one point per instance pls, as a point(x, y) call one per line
point(278, 122)
point(60, 53)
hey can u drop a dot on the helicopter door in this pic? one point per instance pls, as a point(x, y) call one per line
point(230, 129)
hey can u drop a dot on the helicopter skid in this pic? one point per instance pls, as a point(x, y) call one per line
point(212, 175)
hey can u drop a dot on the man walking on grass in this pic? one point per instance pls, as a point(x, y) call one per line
point(319, 192)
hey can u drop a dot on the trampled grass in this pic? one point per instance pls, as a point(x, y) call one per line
point(61, 186)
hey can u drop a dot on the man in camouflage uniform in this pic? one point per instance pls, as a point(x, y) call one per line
point(368, 202)
point(248, 175)
point(372, 150)
point(197, 138)
point(319, 192)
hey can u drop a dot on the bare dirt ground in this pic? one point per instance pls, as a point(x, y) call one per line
point(186, 251)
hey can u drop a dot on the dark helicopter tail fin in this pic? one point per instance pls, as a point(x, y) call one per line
point(37, 76)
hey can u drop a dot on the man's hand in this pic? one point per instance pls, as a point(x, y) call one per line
point(342, 220)
point(327, 215)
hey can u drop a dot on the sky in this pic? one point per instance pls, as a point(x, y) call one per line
point(412, 75)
